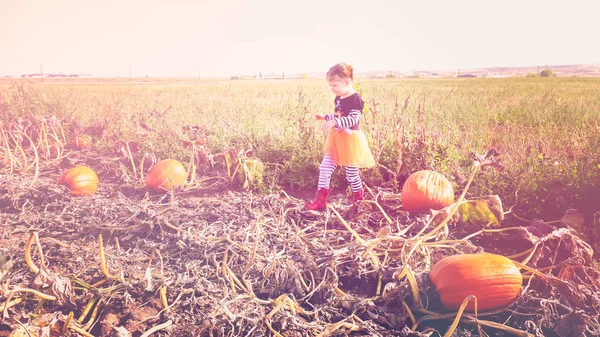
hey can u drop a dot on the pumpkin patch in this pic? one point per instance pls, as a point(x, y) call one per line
point(425, 190)
point(493, 279)
point(165, 174)
point(81, 180)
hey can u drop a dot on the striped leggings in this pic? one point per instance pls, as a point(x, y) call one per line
point(326, 170)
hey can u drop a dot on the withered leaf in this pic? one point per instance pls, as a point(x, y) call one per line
point(142, 128)
point(5, 263)
point(574, 219)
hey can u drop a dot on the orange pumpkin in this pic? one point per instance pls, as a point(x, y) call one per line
point(165, 174)
point(80, 180)
point(83, 141)
point(494, 279)
point(425, 190)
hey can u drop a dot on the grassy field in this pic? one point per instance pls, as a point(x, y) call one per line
point(546, 129)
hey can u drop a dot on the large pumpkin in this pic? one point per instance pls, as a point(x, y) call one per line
point(80, 180)
point(165, 174)
point(425, 190)
point(494, 279)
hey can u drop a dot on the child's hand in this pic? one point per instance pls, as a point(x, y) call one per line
point(320, 117)
point(328, 125)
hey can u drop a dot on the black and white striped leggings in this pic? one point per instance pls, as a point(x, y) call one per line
point(326, 170)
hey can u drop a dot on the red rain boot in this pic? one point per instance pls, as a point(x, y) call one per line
point(320, 200)
point(358, 196)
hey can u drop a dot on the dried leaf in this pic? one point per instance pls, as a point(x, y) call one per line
point(121, 147)
point(5, 263)
point(142, 128)
point(573, 324)
point(24, 331)
point(62, 289)
point(566, 273)
point(490, 158)
point(575, 220)
point(541, 233)
point(537, 229)
point(148, 278)
point(121, 332)
point(198, 143)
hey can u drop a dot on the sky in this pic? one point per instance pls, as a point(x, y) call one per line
point(227, 37)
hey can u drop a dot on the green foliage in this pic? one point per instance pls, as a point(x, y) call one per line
point(481, 212)
point(360, 91)
point(547, 73)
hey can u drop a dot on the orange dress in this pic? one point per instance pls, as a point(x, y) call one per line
point(347, 144)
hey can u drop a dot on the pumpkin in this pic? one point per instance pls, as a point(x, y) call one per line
point(425, 190)
point(80, 180)
point(494, 279)
point(165, 174)
point(83, 141)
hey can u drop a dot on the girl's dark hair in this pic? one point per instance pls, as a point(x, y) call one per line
point(341, 70)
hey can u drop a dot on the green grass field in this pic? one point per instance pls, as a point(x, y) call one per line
point(546, 129)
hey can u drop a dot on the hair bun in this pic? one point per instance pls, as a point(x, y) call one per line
point(342, 70)
point(348, 70)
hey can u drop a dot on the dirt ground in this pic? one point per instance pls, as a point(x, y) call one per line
point(218, 261)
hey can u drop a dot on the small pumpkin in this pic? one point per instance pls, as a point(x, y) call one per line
point(81, 180)
point(83, 141)
point(425, 190)
point(165, 174)
point(494, 279)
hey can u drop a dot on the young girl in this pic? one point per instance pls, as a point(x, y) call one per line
point(346, 144)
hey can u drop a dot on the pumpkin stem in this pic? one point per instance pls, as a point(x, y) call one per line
point(414, 286)
point(32, 266)
point(35, 292)
point(131, 159)
point(473, 320)
point(531, 270)
point(374, 202)
point(36, 161)
point(192, 166)
point(254, 247)
point(410, 315)
point(103, 266)
point(17, 141)
point(459, 315)
point(163, 298)
point(67, 323)
point(87, 308)
point(43, 138)
point(8, 153)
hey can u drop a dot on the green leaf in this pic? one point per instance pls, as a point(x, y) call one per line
point(482, 211)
